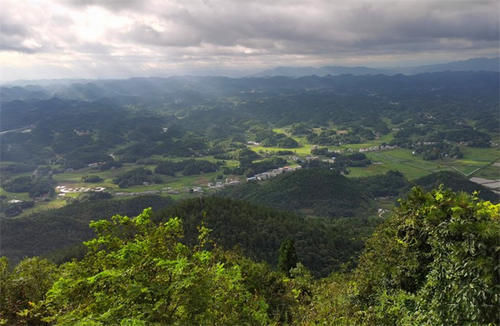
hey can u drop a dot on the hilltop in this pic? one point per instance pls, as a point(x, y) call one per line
point(316, 191)
point(456, 182)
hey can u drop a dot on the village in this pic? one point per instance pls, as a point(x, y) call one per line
point(63, 190)
point(272, 173)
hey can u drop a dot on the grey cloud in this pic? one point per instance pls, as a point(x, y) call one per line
point(434, 20)
point(10, 28)
point(212, 32)
point(6, 45)
point(13, 36)
point(147, 34)
point(362, 25)
point(110, 4)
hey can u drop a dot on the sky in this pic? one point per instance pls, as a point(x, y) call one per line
point(45, 39)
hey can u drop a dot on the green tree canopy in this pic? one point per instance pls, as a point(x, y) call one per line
point(137, 273)
point(288, 256)
point(434, 262)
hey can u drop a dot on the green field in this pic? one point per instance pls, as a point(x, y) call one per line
point(303, 150)
point(414, 167)
point(44, 205)
point(476, 161)
point(400, 159)
point(489, 172)
point(10, 195)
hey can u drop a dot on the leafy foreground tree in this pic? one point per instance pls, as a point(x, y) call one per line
point(21, 288)
point(139, 273)
point(435, 262)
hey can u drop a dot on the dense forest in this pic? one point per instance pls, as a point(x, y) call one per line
point(320, 192)
point(433, 261)
point(256, 220)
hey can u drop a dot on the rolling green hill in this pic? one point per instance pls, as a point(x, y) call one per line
point(45, 232)
point(322, 244)
point(318, 192)
point(456, 182)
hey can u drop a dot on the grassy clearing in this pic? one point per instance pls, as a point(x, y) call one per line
point(281, 131)
point(194, 180)
point(42, 206)
point(376, 142)
point(209, 158)
point(409, 168)
point(232, 163)
point(414, 166)
point(402, 160)
point(180, 183)
point(489, 172)
point(305, 147)
point(480, 154)
point(12, 195)
point(302, 150)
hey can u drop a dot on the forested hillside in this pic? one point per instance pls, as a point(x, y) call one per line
point(319, 192)
point(54, 230)
point(344, 210)
point(327, 193)
point(456, 182)
point(323, 245)
point(434, 261)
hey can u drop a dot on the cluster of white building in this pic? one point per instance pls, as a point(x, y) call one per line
point(81, 132)
point(95, 164)
point(170, 190)
point(273, 173)
point(377, 148)
point(63, 190)
point(220, 184)
point(147, 192)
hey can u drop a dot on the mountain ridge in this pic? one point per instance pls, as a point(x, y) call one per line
point(473, 64)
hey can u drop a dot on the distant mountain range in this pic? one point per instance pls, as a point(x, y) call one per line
point(157, 92)
point(319, 71)
point(475, 64)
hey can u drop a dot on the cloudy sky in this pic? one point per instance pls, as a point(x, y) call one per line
point(122, 38)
